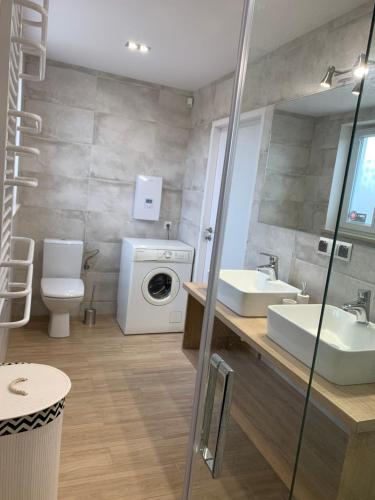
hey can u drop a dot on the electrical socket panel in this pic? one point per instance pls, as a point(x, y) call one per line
point(325, 246)
point(343, 250)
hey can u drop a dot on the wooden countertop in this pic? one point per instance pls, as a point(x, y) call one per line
point(354, 405)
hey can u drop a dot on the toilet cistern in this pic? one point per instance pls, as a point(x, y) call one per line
point(272, 268)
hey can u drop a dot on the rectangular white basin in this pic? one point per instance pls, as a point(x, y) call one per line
point(346, 353)
point(249, 293)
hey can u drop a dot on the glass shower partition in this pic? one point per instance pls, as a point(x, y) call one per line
point(251, 392)
point(342, 385)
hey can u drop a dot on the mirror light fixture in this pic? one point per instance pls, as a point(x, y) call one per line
point(137, 47)
point(359, 71)
point(360, 68)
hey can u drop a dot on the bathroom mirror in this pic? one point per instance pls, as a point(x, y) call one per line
point(308, 151)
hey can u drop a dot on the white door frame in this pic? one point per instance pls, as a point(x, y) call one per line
point(216, 129)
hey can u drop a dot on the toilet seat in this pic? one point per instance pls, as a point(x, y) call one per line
point(62, 288)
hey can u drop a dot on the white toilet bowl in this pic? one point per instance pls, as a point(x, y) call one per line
point(62, 297)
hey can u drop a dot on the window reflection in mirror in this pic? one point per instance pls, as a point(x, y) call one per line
point(308, 154)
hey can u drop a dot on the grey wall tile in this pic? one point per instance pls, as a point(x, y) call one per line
point(58, 158)
point(172, 108)
point(119, 131)
point(170, 208)
point(86, 189)
point(108, 259)
point(119, 163)
point(63, 85)
point(56, 192)
point(136, 102)
point(107, 196)
point(188, 233)
point(62, 122)
point(39, 223)
point(105, 285)
point(223, 97)
point(191, 206)
point(171, 143)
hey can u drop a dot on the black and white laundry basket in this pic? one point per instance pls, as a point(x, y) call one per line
point(32, 398)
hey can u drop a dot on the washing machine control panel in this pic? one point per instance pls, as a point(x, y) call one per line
point(162, 255)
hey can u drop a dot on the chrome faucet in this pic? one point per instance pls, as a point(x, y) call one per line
point(272, 268)
point(361, 308)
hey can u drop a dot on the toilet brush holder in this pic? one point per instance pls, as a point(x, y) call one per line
point(90, 316)
point(90, 313)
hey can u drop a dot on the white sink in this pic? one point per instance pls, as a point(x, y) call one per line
point(346, 353)
point(249, 293)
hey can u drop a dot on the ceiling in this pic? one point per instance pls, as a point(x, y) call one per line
point(193, 42)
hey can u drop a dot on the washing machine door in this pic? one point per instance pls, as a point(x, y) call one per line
point(160, 286)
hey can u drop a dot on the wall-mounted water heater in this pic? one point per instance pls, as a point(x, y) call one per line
point(147, 197)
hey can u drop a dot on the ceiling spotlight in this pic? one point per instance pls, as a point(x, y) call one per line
point(357, 89)
point(131, 45)
point(360, 68)
point(327, 80)
point(135, 46)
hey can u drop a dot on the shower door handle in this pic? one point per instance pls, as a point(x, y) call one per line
point(214, 459)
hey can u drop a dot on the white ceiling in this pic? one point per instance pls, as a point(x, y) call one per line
point(193, 42)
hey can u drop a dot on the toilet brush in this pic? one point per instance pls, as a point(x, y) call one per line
point(90, 312)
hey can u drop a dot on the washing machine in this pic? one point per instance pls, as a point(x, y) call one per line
point(151, 298)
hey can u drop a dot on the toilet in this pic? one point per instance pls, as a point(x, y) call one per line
point(62, 289)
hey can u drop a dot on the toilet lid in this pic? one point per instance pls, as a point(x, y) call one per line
point(63, 288)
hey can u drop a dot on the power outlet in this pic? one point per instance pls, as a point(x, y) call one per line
point(325, 246)
point(167, 224)
point(343, 251)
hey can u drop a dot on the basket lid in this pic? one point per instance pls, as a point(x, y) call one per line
point(45, 386)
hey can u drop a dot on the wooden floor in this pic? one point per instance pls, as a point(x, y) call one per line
point(127, 418)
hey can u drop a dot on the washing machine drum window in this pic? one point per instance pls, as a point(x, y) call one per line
point(160, 286)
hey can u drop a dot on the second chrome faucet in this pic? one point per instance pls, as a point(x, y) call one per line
point(272, 268)
point(360, 307)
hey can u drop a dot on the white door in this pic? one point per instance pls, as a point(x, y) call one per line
point(241, 198)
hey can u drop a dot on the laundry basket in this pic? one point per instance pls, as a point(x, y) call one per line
point(32, 400)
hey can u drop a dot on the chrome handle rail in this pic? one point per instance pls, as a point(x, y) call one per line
point(214, 459)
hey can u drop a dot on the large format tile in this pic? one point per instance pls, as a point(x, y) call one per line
point(119, 163)
point(106, 285)
point(188, 233)
point(171, 142)
point(170, 208)
point(63, 123)
point(116, 130)
point(58, 158)
point(108, 258)
point(39, 223)
point(191, 206)
point(106, 196)
point(172, 108)
point(56, 192)
point(223, 97)
point(131, 100)
point(64, 85)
